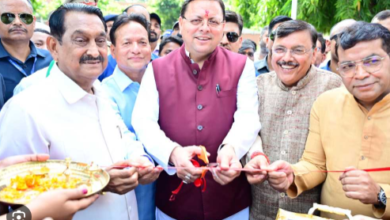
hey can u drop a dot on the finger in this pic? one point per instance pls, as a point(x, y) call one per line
point(115, 173)
point(224, 161)
point(256, 179)
point(25, 158)
point(144, 171)
point(351, 181)
point(193, 151)
point(78, 193)
point(354, 195)
point(84, 203)
point(351, 188)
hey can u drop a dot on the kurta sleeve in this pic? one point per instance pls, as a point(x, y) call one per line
point(145, 122)
point(19, 132)
point(313, 158)
point(246, 124)
point(383, 213)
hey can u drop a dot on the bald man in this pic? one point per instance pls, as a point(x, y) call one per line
point(336, 29)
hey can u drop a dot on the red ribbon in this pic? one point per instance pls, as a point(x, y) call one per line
point(198, 182)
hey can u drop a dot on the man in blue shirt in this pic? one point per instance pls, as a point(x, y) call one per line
point(133, 9)
point(2, 91)
point(130, 48)
point(18, 55)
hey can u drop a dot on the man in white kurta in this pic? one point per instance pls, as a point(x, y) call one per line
point(69, 114)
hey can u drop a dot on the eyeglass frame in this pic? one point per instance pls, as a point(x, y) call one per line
point(291, 51)
point(202, 23)
point(19, 14)
point(356, 65)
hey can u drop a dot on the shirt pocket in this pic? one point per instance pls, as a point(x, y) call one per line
point(227, 93)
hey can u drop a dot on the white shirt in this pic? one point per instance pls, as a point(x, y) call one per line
point(59, 118)
point(242, 134)
point(31, 80)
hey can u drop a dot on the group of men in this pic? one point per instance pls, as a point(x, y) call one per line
point(287, 127)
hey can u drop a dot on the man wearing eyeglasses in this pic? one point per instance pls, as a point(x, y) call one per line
point(264, 65)
point(18, 55)
point(232, 38)
point(331, 65)
point(349, 131)
point(200, 94)
point(285, 99)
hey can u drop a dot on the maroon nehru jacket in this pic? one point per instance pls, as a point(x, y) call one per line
point(192, 112)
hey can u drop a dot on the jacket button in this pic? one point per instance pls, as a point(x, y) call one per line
point(200, 127)
point(200, 88)
point(194, 72)
point(200, 107)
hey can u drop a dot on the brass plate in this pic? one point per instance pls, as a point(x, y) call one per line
point(99, 181)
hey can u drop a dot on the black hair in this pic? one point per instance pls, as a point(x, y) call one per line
point(322, 41)
point(42, 31)
point(57, 19)
point(170, 39)
point(186, 2)
point(383, 15)
point(276, 20)
point(248, 43)
point(289, 27)
point(236, 18)
point(125, 19)
point(361, 32)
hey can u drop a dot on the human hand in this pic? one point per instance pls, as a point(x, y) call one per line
point(23, 158)
point(122, 181)
point(147, 173)
point(258, 162)
point(181, 157)
point(60, 204)
point(358, 184)
point(280, 175)
point(228, 162)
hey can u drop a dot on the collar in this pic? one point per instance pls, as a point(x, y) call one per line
point(121, 79)
point(261, 64)
point(33, 51)
point(186, 55)
point(301, 83)
point(71, 92)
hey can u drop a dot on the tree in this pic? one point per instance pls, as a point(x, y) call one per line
point(323, 14)
point(168, 10)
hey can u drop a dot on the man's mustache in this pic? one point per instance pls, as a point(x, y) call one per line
point(289, 63)
point(86, 58)
point(17, 29)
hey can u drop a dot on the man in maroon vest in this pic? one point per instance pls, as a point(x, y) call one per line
point(204, 95)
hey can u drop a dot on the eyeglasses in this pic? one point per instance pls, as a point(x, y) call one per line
point(294, 51)
point(318, 49)
point(334, 37)
point(232, 37)
point(8, 18)
point(369, 64)
point(197, 22)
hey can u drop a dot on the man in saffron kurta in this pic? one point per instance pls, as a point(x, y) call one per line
point(205, 95)
point(349, 131)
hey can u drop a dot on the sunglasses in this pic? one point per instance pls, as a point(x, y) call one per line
point(8, 18)
point(232, 36)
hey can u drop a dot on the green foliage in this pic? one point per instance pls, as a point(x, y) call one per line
point(168, 10)
point(109, 7)
point(42, 9)
point(323, 14)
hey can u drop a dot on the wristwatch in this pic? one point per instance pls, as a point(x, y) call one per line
point(382, 199)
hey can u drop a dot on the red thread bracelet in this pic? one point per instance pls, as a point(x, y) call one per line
point(257, 153)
